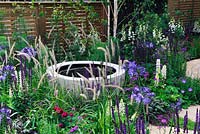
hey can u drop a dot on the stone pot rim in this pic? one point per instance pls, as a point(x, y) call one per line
point(52, 70)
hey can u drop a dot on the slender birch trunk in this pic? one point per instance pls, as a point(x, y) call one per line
point(108, 30)
point(115, 18)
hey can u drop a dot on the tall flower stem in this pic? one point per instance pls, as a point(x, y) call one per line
point(177, 121)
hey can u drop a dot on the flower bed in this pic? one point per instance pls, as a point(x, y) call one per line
point(153, 52)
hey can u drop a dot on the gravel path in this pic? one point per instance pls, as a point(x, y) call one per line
point(165, 130)
point(191, 112)
point(193, 68)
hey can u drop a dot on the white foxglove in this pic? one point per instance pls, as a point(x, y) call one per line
point(164, 71)
point(157, 71)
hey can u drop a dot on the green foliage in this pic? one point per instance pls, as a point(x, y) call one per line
point(20, 31)
point(189, 91)
point(158, 107)
point(176, 65)
point(194, 48)
point(167, 93)
point(94, 53)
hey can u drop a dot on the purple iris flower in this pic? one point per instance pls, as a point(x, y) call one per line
point(146, 101)
point(132, 64)
point(135, 71)
point(136, 89)
point(146, 89)
point(30, 51)
point(6, 71)
point(177, 105)
point(2, 77)
point(5, 113)
point(142, 94)
point(138, 99)
point(148, 45)
point(8, 68)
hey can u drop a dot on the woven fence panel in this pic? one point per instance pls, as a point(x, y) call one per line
point(17, 18)
point(37, 18)
point(185, 10)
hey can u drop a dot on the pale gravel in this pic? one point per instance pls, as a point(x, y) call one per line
point(165, 130)
point(193, 68)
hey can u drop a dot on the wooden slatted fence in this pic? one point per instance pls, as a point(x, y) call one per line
point(185, 10)
point(37, 17)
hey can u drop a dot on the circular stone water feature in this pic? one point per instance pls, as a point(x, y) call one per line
point(68, 74)
point(193, 68)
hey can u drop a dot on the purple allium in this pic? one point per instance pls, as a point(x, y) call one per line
point(190, 89)
point(30, 51)
point(73, 129)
